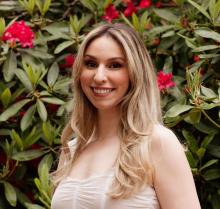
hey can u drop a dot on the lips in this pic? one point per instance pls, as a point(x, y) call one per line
point(102, 91)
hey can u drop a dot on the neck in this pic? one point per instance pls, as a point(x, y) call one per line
point(108, 123)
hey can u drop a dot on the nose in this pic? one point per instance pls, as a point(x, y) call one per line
point(100, 74)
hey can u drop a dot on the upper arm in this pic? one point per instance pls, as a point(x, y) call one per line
point(173, 180)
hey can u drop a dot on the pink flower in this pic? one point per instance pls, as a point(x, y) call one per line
point(130, 9)
point(110, 13)
point(19, 32)
point(145, 4)
point(164, 80)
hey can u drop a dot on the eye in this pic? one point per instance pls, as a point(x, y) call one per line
point(90, 64)
point(115, 65)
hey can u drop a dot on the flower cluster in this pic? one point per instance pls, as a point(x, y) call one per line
point(111, 13)
point(19, 32)
point(164, 80)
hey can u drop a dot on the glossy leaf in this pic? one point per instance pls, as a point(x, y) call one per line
point(10, 193)
point(53, 74)
point(53, 100)
point(6, 97)
point(41, 110)
point(177, 110)
point(13, 109)
point(10, 66)
point(27, 155)
point(27, 118)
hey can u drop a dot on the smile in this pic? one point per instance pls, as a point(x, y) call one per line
point(102, 90)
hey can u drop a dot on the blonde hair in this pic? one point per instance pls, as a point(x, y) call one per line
point(140, 110)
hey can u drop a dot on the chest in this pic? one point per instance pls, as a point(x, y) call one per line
point(96, 159)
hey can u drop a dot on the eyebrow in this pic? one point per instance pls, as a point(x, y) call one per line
point(113, 58)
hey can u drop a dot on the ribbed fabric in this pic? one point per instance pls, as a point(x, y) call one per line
point(91, 194)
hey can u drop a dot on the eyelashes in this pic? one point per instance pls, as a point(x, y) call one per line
point(91, 64)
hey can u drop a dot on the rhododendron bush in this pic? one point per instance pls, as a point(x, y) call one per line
point(39, 40)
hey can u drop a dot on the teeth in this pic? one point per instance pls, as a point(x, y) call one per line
point(102, 91)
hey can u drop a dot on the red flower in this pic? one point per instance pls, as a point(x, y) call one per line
point(69, 60)
point(110, 13)
point(158, 4)
point(21, 113)
point(145, 4)
point(164, 80)
point(156, 42)
point(130, 9)
point(19, 32)
point(196, 58)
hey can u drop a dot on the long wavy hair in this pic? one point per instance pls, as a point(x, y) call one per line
point(140, 111)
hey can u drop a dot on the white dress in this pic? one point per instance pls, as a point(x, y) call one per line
point(90, 193)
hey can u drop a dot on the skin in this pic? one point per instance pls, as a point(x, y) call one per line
point(105, 67)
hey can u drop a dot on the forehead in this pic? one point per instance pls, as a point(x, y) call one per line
point(105, 46)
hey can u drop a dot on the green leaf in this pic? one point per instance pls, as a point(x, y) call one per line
point(201, 152)
point(33, 206)
point(46, 6)
point(27, 155)
point(193, 117)
point(126, 20)
point(6, 97)
point(192, 161)
point(212, 9)
point(205, 48)
point(191, 141)
point(27, 118)
point(53, 100)
point(44, 177)
point(48, 160)
point(10, 66)
point(208, 33)
point(207, 140)
point(38, 53)
point(214, 150)
point(211, 174)
point(89, 4)
point(177, 110)
point(135, 22)
point(208, 164)
point(22, 76)
point(17, 139)
point(41, 110)
point(13, 109)
point(53, 74)
point(167, 15)
point(32, 137)
point(39, 5)
point(10, 193)
point(2, 26)
point(200, 9)
point(160, 29)
point(208, 56)
point(63, 46)
point(209, 93)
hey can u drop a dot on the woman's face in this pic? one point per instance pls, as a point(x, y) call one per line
point(104, 77)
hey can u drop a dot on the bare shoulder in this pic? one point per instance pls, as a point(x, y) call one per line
point(172, 176)
point(165, 143)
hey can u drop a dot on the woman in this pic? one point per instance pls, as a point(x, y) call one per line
point(122, 156)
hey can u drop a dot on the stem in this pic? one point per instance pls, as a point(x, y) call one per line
point(210, 119)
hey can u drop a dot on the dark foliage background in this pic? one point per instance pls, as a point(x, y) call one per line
point(35, 64)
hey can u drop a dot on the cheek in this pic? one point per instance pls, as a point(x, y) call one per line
point(84, 80)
